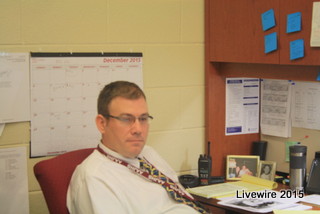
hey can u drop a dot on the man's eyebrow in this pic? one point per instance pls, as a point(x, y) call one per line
point(126, 114)
point(130, 115)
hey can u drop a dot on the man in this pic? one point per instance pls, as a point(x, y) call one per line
point(117, 177)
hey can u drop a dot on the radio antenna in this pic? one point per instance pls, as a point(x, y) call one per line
point(209, 148)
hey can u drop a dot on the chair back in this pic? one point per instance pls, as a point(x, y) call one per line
point(54, 177)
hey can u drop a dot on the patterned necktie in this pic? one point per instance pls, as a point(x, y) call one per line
point(157, 174)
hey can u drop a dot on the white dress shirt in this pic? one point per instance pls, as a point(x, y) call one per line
point(101, 186)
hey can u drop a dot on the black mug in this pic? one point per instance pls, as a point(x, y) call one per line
point(298, 156)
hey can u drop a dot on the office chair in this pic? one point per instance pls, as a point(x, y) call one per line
point(54, 177)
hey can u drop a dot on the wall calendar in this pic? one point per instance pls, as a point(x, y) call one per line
point(64, 92)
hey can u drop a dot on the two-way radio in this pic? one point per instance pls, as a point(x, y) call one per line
point(204, 171)
point(204, 167)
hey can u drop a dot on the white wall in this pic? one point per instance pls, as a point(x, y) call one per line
point(169, 33)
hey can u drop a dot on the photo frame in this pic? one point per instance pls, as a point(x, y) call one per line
point(267, 170)
point(238, 165)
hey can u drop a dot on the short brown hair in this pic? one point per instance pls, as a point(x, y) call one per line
point(124, 89)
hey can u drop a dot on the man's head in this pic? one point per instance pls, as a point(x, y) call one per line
point(123, 89)
point(123, 118)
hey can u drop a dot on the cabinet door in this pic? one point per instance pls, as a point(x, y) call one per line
point(312, 54)
point(235, 31)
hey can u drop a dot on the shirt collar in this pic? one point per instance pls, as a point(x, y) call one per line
point(132, 161)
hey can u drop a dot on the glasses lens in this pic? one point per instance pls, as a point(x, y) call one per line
point(144, 119)
point(128, 120)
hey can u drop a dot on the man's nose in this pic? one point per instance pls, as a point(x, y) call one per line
point(136, 127)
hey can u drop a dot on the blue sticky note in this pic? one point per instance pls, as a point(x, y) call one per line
point(270, 42)
point(294, 22)
point(296, 49)
point(268, 20)
point(318, 77)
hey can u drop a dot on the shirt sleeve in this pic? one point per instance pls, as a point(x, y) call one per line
point(92, 195)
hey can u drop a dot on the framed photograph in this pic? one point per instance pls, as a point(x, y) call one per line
point(238, 165)
point(267, 170)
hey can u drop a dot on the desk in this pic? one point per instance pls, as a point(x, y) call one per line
point(212, 204)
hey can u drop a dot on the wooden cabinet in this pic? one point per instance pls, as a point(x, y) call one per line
point(234, 47)
point(312, 54)
point(236, 33)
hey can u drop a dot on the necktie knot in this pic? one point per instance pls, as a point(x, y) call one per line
point(145, 166)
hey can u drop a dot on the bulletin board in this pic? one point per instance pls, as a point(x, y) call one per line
point(64, 89)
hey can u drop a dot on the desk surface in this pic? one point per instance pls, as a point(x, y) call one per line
point(212, 203)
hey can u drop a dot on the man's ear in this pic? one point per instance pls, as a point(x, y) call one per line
point(101, 123)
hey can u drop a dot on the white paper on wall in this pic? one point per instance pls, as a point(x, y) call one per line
point(13, 181)
point(14, 87)
point(305, 105)
point(275, 107)
point(242, 105)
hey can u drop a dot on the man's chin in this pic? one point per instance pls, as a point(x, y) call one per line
point(136, 150)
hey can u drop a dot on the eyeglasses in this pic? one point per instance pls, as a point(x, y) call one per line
point(129, 119)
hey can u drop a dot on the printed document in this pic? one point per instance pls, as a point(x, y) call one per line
point(258, 205)
point(275, 107)
point(305, 105)
point(14, 87)
point(242, 105)
point(13, 181)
